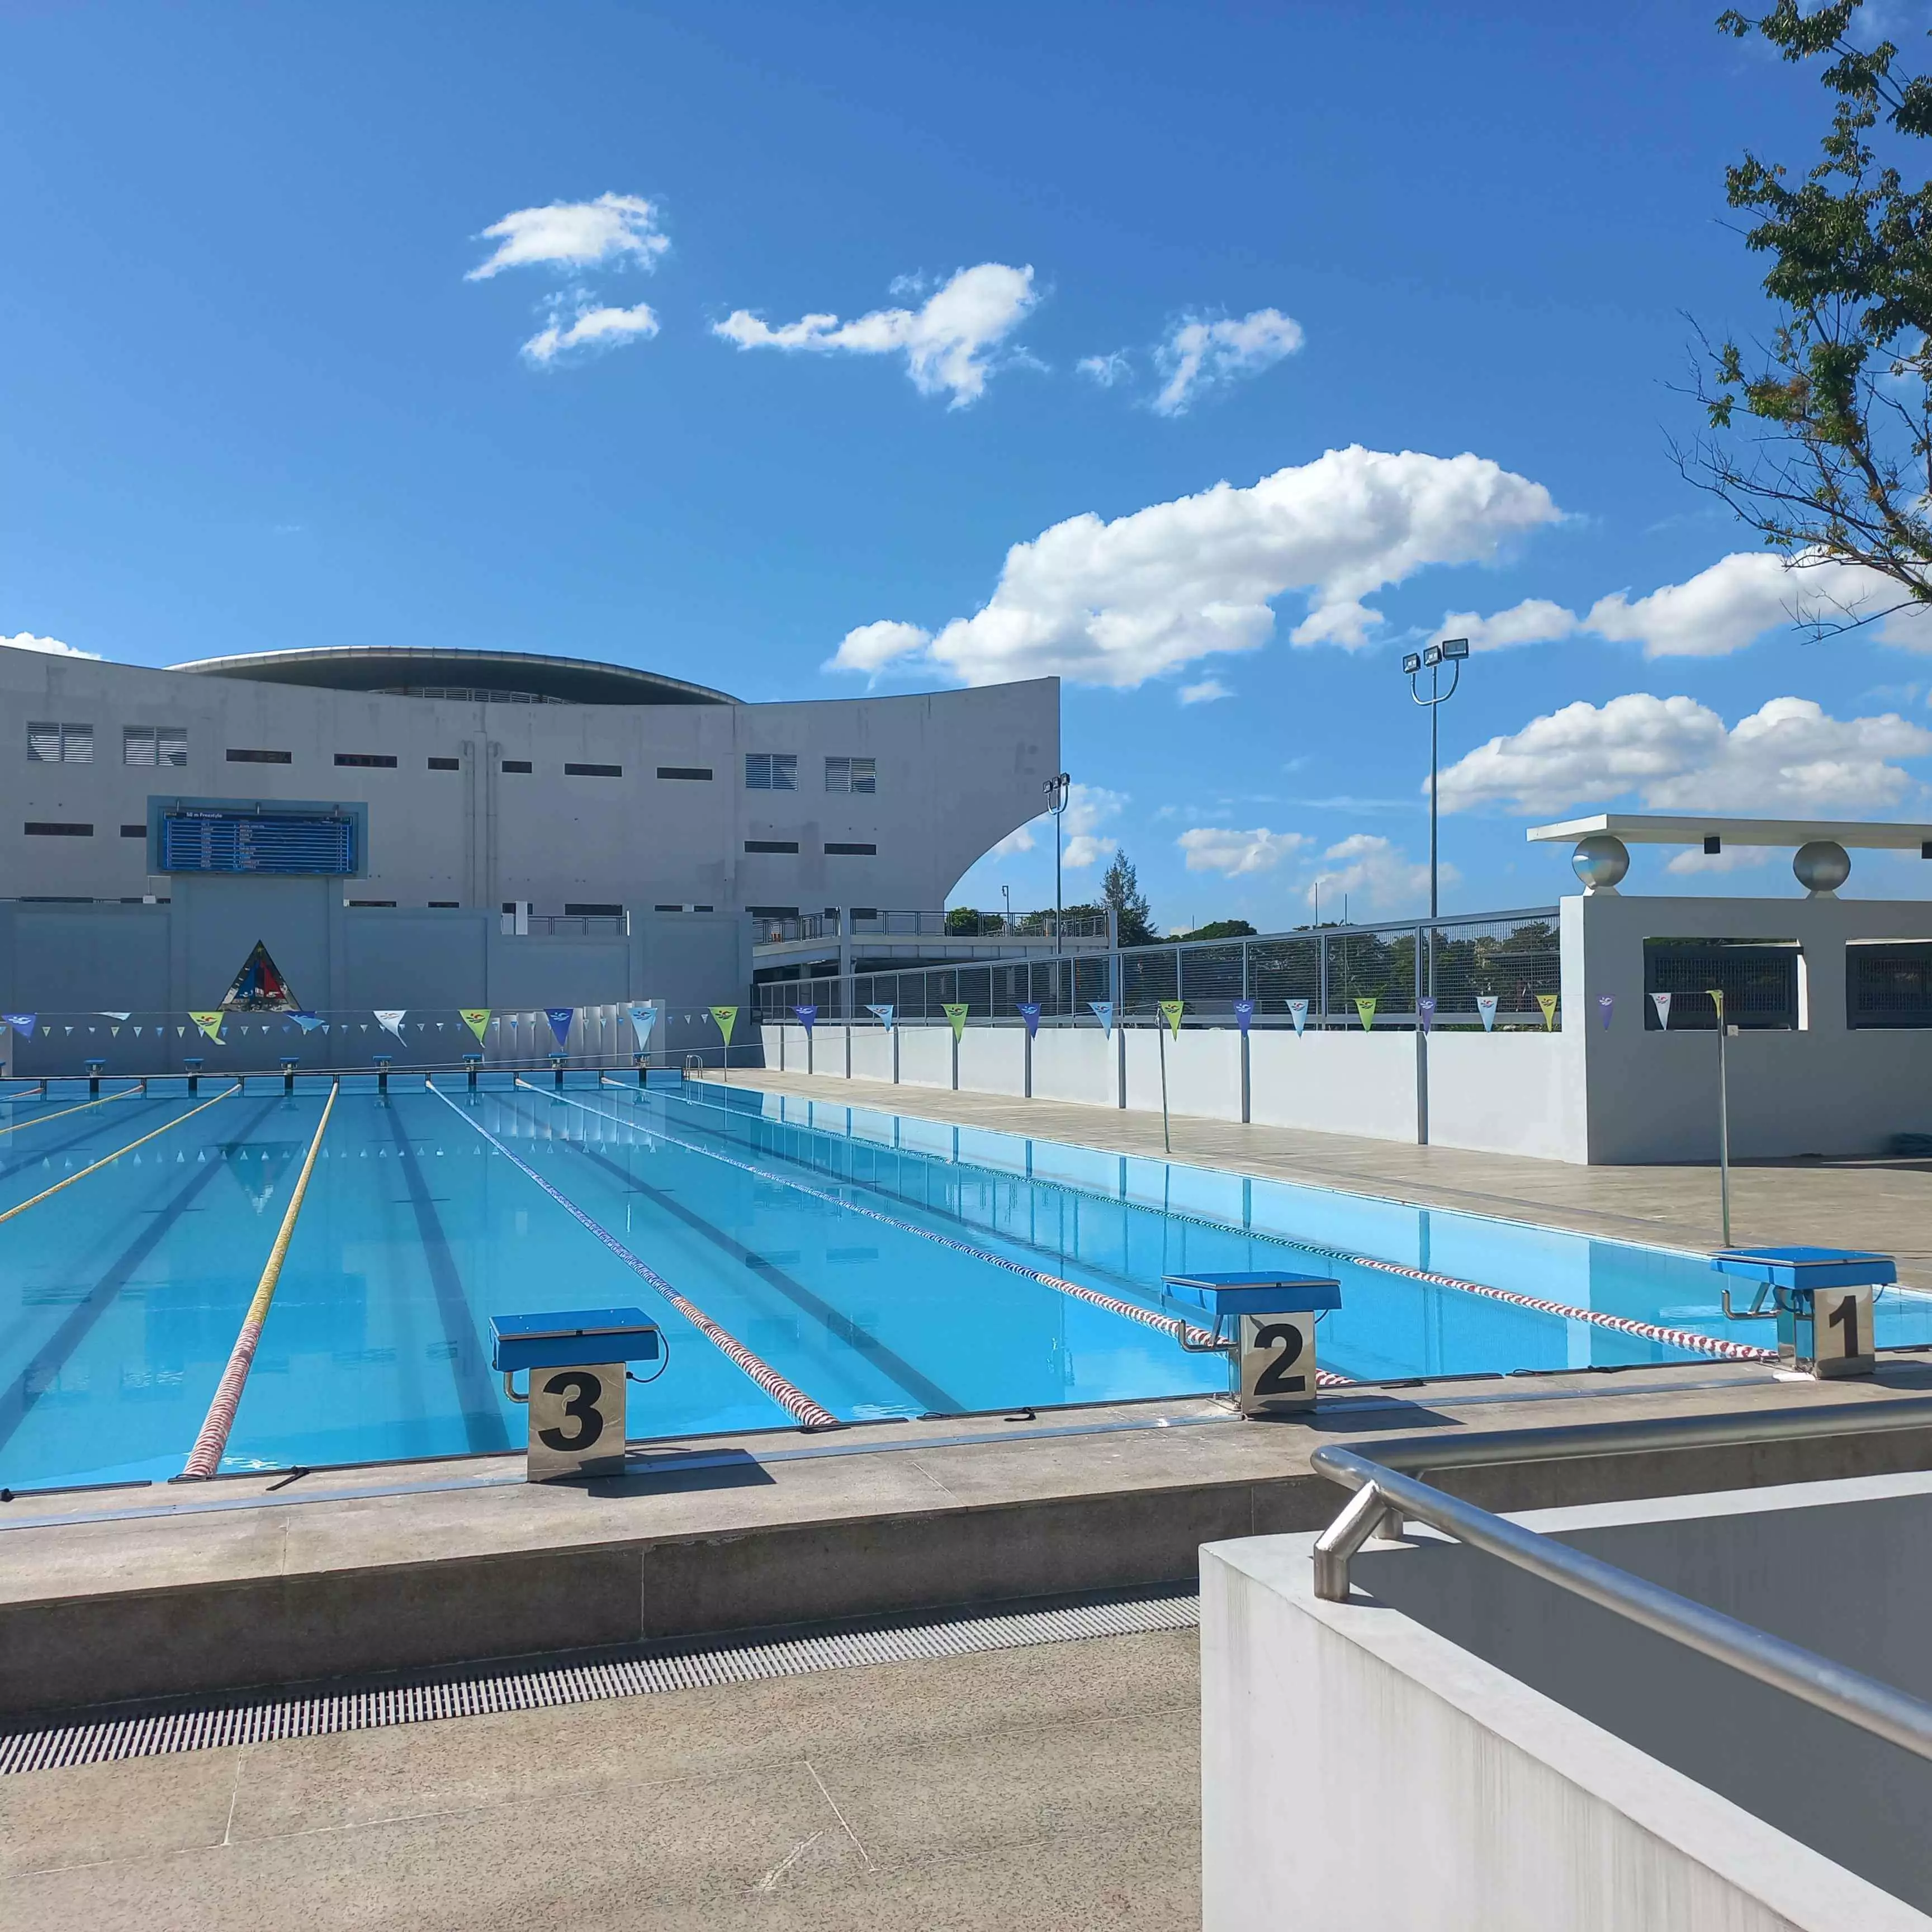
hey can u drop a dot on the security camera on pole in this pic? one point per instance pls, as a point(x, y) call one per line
point(1450, 651)
point(1056, 789)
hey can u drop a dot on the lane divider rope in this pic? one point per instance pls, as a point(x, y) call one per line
point(210, 1445)
point(1148, 1317)
point(41, 1120)
point(108, 1160)
point(812, 1415)
point(1681, 1338)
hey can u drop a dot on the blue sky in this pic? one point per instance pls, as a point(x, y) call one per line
point(1428, 269)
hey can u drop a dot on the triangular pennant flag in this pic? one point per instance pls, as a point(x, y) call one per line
point(727, 1018)
point(642, 1018)
point(115, 1032)
point(1103, 1012)
point(559, 1019)
point(956, 1015)
point(476, 1018)
point(1297, 1011)
point(1244, 1012)
point(1547, 1001)
point(1031, 1014)
point(1366, 1008)
point(1605, 1005)
point(179, 1030)
point(22, 1023)
point(1486, 1005)
point(390, 1018)
point(806, 1015)
point(884, 1014)
point(1170, 1011)
point(1718, 1001)
point(308, 1022)
point(1425, 1011)
point(108, 1013)
point(210, 1023)
point(1661, 1001)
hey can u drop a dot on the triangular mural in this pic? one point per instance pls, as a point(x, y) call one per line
point(259, 988)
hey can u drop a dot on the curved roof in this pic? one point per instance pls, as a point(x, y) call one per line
point(523, 676)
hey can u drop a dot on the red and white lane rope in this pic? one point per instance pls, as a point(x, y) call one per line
point(812, 1415)
point(212, 1443)
point(1624, 1324)
point(1148, 1317)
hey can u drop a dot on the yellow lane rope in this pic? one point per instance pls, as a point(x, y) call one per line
point(206, 1457)
point(42, 1120)
point(109, 1159)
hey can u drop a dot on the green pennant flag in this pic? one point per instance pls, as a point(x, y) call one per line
point(957, 1015)
point(1171, 1012)
point(1366, 1008)
point(1547, 1001)
point(1718, 1001)
point(727, 1018)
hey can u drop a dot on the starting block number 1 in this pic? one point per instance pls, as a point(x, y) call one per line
point(576, 1421)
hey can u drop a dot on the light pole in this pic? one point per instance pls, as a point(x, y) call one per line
point(1007, 893)
point(1056, 789)
point(1453, 651)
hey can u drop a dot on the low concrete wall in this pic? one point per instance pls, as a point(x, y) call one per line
point(1540, 1763)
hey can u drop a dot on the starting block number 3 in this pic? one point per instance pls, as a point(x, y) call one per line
point(576, 1421)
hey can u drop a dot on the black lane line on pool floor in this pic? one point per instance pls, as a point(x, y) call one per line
point(18, 1398)
point(1134, 1287)
point(40, 1155)
point(476, 1387)
point(840, 1326)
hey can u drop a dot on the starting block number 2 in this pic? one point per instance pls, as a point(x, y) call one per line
point(1277, 1363)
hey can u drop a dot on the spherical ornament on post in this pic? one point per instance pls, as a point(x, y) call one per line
point(1600, 861)
point(1822, 866)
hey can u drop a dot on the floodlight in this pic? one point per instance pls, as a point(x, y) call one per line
point(1411, 663)
point(1455, 647)
point(1432, 654)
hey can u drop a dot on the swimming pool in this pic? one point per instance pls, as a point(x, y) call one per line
point(877, 1264)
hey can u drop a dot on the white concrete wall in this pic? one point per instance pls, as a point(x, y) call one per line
point(1068, 1066)
point(1556, 1771)
point(1342, 1083)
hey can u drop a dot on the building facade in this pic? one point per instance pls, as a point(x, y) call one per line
point(490, 780)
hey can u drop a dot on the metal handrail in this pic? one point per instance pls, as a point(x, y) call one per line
point(1385, 1497)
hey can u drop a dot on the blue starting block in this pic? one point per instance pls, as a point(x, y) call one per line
point(576, 1359)
point(1270, 1346)
point(1822, 1299)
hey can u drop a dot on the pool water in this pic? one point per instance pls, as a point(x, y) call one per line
point(875, 1261)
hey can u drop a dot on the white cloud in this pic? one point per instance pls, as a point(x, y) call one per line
point(575, 234)
point(1208, 849)
point(52, 647)
point(1201, 355)
point(1205, 692)
point(946, 343)
point(1117, 603)
point(591, 328)
point(1083, 849)
point(1021, 839)
point(1733, 603)
point(1677, 754)
point(1116, 366)
point(1732, 859)
point(1369, 867)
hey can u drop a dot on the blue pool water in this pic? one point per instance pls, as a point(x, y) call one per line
point(121, 1295)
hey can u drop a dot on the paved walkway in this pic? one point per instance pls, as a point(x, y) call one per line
point(1046, 1789)
point(1885, 1204)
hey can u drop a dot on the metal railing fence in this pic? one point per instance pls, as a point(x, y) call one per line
point(1512, 957)
point(777, 929)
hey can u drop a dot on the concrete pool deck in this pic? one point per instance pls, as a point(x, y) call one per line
point(1864, 1203)
point(125, 1594)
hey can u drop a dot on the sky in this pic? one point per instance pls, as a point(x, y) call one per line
point(1208, 356)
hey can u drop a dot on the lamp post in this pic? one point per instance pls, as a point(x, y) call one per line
point(1451, 651)
point(1056, 790)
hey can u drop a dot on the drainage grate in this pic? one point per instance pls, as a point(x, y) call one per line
point(155, 1734)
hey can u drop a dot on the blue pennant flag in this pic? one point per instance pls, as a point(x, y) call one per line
point(23, 1024)
point(559, 1019)
point(1244, 1012)
point(884, 1014)
point(1103, 1011)
point(1031, 1014)
point(806, 1015)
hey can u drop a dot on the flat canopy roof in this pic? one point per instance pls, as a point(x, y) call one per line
point(1649, 828)
point(407, 671)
